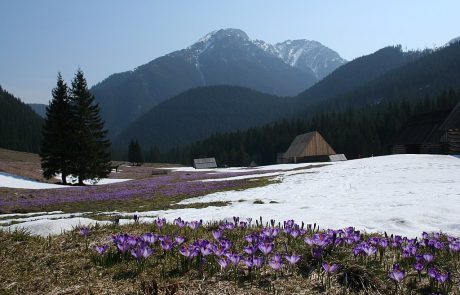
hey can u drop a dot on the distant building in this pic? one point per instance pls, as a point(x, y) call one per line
point(309, 147)
point(430, 133)
point(204, 163)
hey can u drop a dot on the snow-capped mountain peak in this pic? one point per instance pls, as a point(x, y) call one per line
point(307, 55)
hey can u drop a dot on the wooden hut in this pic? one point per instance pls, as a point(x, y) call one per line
point(430, 133)
point(308, 147)
point(204, 163)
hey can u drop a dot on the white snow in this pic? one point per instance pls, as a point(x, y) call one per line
point(74, 180)
point(400, 194)
point(45, 227)
point(40, 217)
point(15, 181)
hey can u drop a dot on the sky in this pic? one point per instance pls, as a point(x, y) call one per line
point(38, 39)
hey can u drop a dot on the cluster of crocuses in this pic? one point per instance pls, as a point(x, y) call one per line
point(245, 246)
point(172, 184)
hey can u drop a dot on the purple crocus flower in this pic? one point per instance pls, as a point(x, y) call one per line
point(205, 251)
point(141, 252)
point(317, 253)
point(150, 238)
point(368, 250)
point(251, 250)
point(146, 251)
point(428, 257)
point(295, 233)
point(330, 268)
point(194, 224)
point(179, 240)
point(454, 246)
point(101, 249)
point(84, 231)
point(160, 222)
point(251, 238)
point(234, 258)
point(179, 222)
point(418, 266)
point(226, 244)
point(397, 274)
point(442, 278)
point(188, 252)
point(248, 262)
point(266, 248)
point(433, 272)
point(257, 261)
point(166, 245)
point(275, 263)
point(123, 247)
point(217, 234)
point(223, 263)
point(292, 259)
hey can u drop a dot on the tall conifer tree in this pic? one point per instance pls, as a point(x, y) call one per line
point(135, 153)
point(55, 150)
point(90, 153)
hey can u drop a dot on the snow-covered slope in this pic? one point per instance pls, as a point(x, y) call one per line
point(400, 194)
point(307, 55)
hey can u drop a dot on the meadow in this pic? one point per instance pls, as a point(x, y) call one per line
point(236, 256)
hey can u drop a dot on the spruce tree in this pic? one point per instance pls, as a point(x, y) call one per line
point(131, 152)
point(135, 153)
point(55, 150)
point(139, 159)
point(90, 153)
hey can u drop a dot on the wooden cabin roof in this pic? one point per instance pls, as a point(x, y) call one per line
point(309, 144)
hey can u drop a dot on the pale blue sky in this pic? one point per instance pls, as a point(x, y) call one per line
point(40, 38)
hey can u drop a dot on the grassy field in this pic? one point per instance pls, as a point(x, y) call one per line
point(151, 188)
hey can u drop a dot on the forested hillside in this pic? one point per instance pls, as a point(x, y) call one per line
point(20, 126)
point(200, 112)
point(356, 132)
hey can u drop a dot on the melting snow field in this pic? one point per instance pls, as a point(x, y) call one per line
point(400, 194)
point(14, 181)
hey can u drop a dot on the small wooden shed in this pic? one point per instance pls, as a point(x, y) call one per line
point(309, 147)
point(204, 163)
point(430, 133)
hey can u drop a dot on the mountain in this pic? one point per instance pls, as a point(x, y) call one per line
point(223, 57)
point(39, 108)
point(20, 126)
point(455, 40)
point(200, 112)
point(193, 127)
point(356, 73)
point(307, 55)
point(430, 74)
point(358, 121)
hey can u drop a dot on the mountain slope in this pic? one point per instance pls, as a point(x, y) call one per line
point(200, 112)
point(223, 57)
point(20, 126)
point(356, 73)
point(428, 75)
point(39, 108)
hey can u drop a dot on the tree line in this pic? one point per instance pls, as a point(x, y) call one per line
point(74, 139)
point(20, 126)
point(354, 131)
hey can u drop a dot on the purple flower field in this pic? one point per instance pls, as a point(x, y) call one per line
point(251, 250)
point(170, 185)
